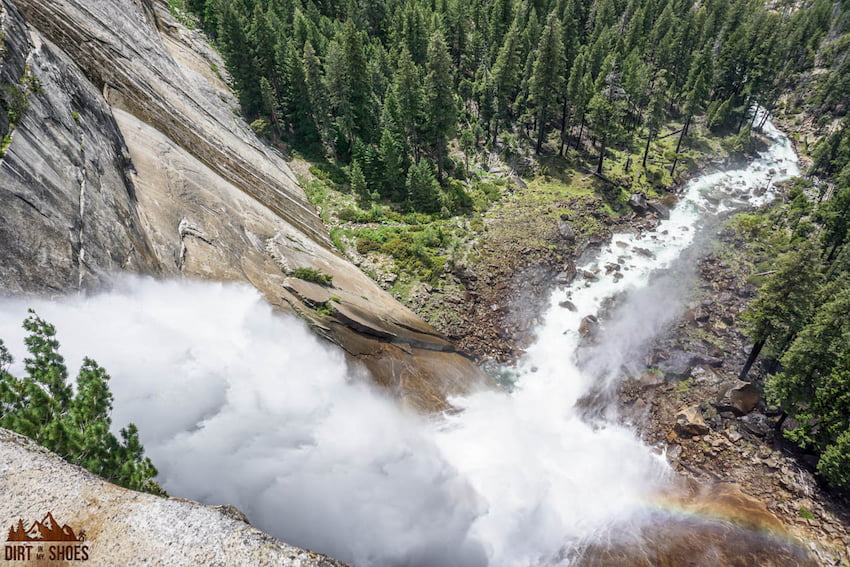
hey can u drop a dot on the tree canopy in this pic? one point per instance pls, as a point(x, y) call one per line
point(404, 78)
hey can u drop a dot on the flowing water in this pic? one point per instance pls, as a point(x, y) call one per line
point(237, 404)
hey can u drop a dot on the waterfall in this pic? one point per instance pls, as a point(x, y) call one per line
point(237, 404)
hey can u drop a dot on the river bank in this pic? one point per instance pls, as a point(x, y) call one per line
point(684, 397)
point(483, 278)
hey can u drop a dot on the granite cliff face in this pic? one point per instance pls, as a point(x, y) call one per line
point(123, 527)
point(124, 151)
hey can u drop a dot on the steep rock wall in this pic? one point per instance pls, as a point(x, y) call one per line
point(130, 155)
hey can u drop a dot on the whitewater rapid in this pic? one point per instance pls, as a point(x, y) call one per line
point(237, 404)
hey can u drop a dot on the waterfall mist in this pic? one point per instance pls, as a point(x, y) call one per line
point(237, 404)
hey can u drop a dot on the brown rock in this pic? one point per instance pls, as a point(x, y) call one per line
point(589, 326)
point(566, 231)
point(690, 423)
point(738, 397)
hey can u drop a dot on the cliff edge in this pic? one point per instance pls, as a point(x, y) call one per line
point(121, 527)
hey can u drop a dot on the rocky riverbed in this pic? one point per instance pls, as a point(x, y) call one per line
point(717, 429)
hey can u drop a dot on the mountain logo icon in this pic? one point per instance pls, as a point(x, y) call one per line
point(48, 529)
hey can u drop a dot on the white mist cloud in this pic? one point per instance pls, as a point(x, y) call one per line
point(237, 404)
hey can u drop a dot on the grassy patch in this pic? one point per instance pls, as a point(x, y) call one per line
point(313, 275)
point(324, 309)
point(181, 14)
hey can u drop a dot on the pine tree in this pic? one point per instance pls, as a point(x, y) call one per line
point(236, 48)
point(43, 406)
point(301, 114)
point(89, 418)
point(423, 190)
point(784, 303)
point(501, 14)
point(439, 100)
point(814, 387)
point(605, 108)
point(392, 159)
point(359, 89)
point(413, 33)
point(408, 93)
point(577, 94)
point(547, 76)
point(506, 75)
point(655, 111)
point(358, 181)
point(316, 91)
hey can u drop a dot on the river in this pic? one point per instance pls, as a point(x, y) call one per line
point(239, 405)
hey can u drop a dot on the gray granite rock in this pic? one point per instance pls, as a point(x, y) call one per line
point(123, 527)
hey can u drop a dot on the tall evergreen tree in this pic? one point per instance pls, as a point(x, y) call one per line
point(605, 108)
point(507, 75)
point(547, 76)
point(440, 101)
point(408, 91)
point(235, 47)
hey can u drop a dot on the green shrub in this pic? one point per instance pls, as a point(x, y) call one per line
point(329, 172)
point(4, 144)
point(324, 309)
point(349, 214)
point(262, 127)
point(16, 103)
point(397, 248)
point(366, 245)
point(313, 275)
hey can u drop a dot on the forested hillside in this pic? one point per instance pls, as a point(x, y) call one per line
point(799, 323)
point(389, 86)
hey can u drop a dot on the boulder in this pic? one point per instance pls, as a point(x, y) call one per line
point(644, 252)
point(738, 396)
point(689, 422)
point(637, 201)
point(677, 365)
point(651, 378)
point(566, 231)
point(568, 274)
point(661, 210)
point(589, 326)
point(567, 304)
